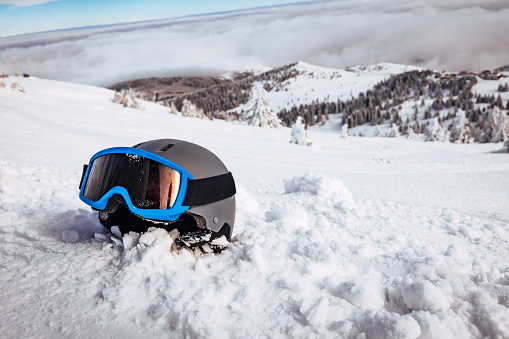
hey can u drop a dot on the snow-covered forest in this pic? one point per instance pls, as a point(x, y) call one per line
point(379, 95)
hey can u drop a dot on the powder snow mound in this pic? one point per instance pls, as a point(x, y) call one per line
point(144, 258)
point(320, 186)
point(424, 296)
point(312, 199)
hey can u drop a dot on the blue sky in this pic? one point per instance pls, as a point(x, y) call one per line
point(29, 16)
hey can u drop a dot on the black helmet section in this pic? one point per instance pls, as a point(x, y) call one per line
point(127, 221)
point(118, 214)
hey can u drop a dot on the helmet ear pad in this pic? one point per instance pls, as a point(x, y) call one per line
point(217, 214)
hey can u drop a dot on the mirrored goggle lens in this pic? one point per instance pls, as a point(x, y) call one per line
point(150, 184)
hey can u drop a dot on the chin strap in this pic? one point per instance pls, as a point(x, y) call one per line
point(208, 190)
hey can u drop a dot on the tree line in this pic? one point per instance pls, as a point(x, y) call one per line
point(428, 93)
point(218, 99)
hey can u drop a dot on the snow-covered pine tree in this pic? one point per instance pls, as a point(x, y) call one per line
point(436, 133)
point(378, 133)
point(344, 131)
point(488, 124)
point(460, 132)
point(258, 112)
point(117, 98)
point(411, 134)
point(127, 98)
point(300, 134)
point(501, 132)
point(173, 108)
point(190, 110)
point(394, 132)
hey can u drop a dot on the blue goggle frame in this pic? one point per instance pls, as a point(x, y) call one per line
point(170, 214)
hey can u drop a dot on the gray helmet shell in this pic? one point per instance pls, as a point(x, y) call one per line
point(200, 163)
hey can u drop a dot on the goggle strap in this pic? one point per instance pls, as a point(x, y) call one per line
point(83, 174)
point(208, 190)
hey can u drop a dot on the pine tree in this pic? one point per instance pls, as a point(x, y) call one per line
point(460, 131)
point(127, 98)
point(378, 133)
point(501, 132)
point(417, 128)
point(191, 111)
point(436, 133)
point(394, 132)
point(497, 102)
point(258, 111)
point(299, 134)
point(411, 134)
point(489, 122)
point(173, 108)
point(427, 114)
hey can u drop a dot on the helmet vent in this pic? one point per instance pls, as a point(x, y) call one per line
point(137, 145)
point(165, 148)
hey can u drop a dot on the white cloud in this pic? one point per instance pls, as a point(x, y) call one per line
point(462, 35)
point(24, 3)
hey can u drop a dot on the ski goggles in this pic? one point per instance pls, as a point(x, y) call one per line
point(152, 187)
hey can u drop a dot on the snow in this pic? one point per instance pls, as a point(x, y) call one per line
point(257, 68)
point(330, 84)
point(253, 68)
point(354, 237)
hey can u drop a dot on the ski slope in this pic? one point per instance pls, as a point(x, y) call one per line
point(353, 238)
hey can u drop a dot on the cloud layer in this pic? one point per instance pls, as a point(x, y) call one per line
point(458, 35)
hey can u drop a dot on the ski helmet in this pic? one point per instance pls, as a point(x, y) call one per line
point(204, 189)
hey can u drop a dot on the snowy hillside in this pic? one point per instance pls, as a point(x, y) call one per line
point(315, 83)
point(293, 85)
point(350, 238)
point(373, 100)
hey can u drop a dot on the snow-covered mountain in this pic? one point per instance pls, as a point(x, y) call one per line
point(368, 98)
point(351, 237)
